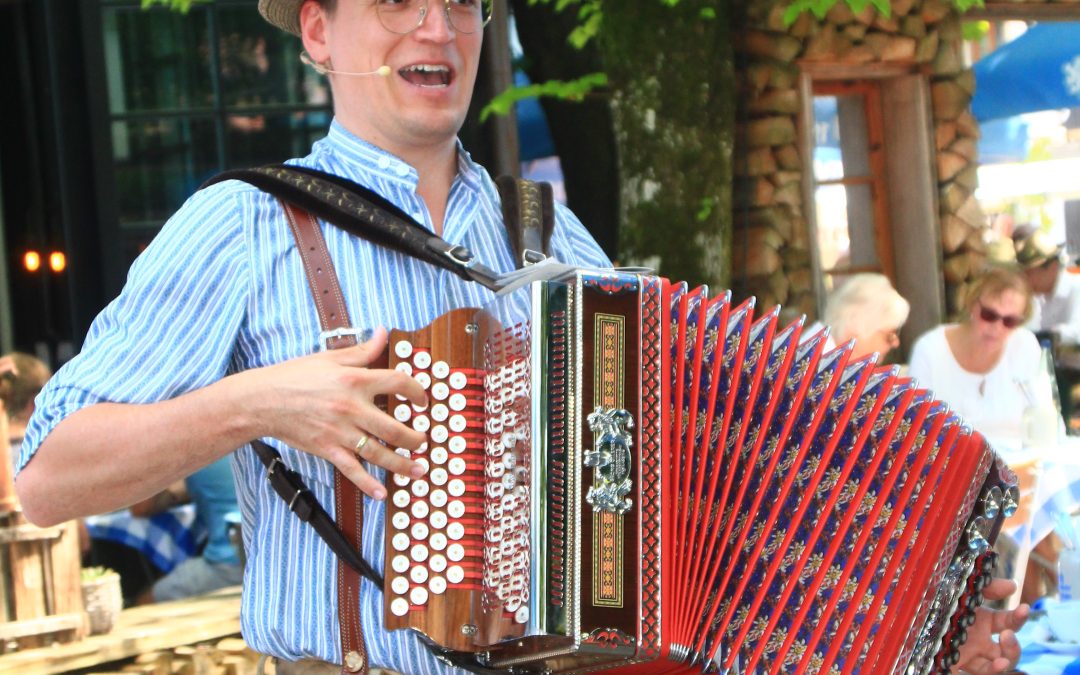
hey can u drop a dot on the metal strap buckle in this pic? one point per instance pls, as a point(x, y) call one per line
point(361, 335)
point(531, 257)
point(462, 256)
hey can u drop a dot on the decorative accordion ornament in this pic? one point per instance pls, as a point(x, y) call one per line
point(624, 473)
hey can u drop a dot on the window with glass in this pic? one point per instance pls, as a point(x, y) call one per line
point(190, 95)
point(850, 191)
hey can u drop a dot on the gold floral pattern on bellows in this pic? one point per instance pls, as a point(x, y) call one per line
point(757, 631)
point(847, 493)
point(867, 504)
point(883, 421)
point(795, 551)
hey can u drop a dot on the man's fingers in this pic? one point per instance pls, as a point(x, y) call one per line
point(362, 354)
point(999, 589)
point(394, 433)
point(1010, 650)
point(1002, 620)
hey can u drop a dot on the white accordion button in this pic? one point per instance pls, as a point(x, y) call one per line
point(455, 531)
point(420, 488)
point(400, 520)
point(421, 423)
point(439, 434)
point(400, 585)
point(456, 487)
point(454, 574)
point(422, 461)
point(422, 360)
point(439, 455)
point(404, 367)
point(400, 564)
point(455, 552)
point(438, 476)
point(438, 542)
point(439, 391)
point(420, 509)
point(403, 349)
point(403, 413)
point(457, 445)
point(458, 380)
point(418, 553)
point(424, 379)
point(399, 607)
point(438, 520)
point(439, 412)
point(437, 498)
point(401, 480)
point(437, 585)
point(418, 596)
point(440, 369)
point(456, 509)
point(419, 531)
point(508, 482)
point(418, 574)
point(509, 460)
point(456, 466)
point(437, 563)
point(457, 423)
point(401, 498)
point(522, 615)
point(400, 541)
point(457, 402)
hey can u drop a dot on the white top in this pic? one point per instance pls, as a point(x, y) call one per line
point(994, 402)
point(1059, 310)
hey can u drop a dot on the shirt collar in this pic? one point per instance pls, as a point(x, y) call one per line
point(361, 157)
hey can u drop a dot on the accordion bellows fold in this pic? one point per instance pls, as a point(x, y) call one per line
point(629, 474)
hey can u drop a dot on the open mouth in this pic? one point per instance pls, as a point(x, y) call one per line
point(426, 75)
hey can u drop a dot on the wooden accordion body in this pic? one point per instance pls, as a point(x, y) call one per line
point(628, 474)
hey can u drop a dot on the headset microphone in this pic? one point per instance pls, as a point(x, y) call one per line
point(319, 68)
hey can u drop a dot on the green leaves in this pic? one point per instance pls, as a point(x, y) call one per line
point(819, 8)
point(178, 5)
point(573, 90)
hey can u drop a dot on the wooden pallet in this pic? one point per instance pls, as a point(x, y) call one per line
point(40, 589)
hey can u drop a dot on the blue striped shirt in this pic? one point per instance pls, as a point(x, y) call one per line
point(221, 289)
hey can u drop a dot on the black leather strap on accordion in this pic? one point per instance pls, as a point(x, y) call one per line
point(362, 213)
point(529, 214)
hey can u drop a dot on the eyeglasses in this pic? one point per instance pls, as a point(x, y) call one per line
point(405, 16)
point(990, 316)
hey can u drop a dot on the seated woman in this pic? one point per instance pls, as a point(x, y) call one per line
point(867, 309)
point(988, 367)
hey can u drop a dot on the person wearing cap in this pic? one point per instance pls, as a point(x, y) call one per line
point(214, 340)
point(1056, 311)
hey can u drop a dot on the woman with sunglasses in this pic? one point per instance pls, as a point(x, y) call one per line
point(987, 367)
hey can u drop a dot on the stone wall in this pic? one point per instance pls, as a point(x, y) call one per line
point(771, 237)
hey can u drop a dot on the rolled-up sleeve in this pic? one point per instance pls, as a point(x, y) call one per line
point(173, 327)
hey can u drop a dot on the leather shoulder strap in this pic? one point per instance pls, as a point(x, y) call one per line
point(348, 503)
point(529, 214)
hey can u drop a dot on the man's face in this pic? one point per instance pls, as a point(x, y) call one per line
point(424, 99)
point(1042, 278)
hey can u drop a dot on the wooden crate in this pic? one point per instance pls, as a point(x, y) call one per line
point(41, 591)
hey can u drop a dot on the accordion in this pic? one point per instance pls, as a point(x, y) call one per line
point(626, 473)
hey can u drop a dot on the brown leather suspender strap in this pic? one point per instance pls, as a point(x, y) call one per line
point(348, 502)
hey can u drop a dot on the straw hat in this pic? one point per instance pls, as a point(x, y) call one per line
point(1036, 250)
point(285, 14)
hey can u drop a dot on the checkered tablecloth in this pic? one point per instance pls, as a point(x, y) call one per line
point(167, 538)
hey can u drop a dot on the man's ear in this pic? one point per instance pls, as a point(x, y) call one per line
point(313, 30)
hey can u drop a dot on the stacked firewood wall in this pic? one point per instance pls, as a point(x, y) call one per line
point(771, 234)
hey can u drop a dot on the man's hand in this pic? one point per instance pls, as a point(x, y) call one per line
point(981, 653)
point(324, 404)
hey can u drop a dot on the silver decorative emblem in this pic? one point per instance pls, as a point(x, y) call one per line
point(610, 459)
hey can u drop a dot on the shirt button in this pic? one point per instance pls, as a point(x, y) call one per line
point(401, 169)
point(354, 662)
point(384, 162)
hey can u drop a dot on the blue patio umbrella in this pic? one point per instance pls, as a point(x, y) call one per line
point(1040, 70)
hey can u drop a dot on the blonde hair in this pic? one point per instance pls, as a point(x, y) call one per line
point(18, 391)
point(864, 304)
point(994, 281)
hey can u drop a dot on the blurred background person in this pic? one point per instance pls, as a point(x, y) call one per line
point(988, 366)
point(867, 309)
point(212, 491)
point(1055, 316)
point(21, 378)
